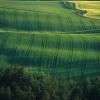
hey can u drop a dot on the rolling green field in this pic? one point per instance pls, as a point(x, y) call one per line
point(48, 36)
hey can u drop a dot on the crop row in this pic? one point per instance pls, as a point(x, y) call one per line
point(54, 53)
point(37, 21)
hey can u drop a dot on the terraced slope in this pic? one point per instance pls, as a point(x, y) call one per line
point(51, 38)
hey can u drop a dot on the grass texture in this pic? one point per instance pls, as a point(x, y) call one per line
point(51, 37)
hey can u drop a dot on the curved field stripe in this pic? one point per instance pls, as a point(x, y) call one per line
point(52, 40)
point(44, 22)
point(90, 9)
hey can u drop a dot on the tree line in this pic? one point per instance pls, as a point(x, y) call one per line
point(18, 83)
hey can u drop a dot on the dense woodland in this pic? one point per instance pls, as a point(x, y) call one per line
point(17, 83)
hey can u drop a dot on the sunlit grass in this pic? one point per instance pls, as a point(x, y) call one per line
point(92, 8)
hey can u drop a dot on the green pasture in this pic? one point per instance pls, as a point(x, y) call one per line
point(51, 37)
point(50, 16)
point(52, 52)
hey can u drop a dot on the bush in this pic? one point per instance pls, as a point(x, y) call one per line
point(16, 83)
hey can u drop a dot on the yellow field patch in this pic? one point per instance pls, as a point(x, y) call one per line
point(92, 8)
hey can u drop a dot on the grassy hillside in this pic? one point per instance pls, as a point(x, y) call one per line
point(50, 16)
point(57, 53)
point(51, 37)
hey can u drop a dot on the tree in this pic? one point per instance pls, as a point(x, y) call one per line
point(8, 93)
point(2, 93)
point(18, 84)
